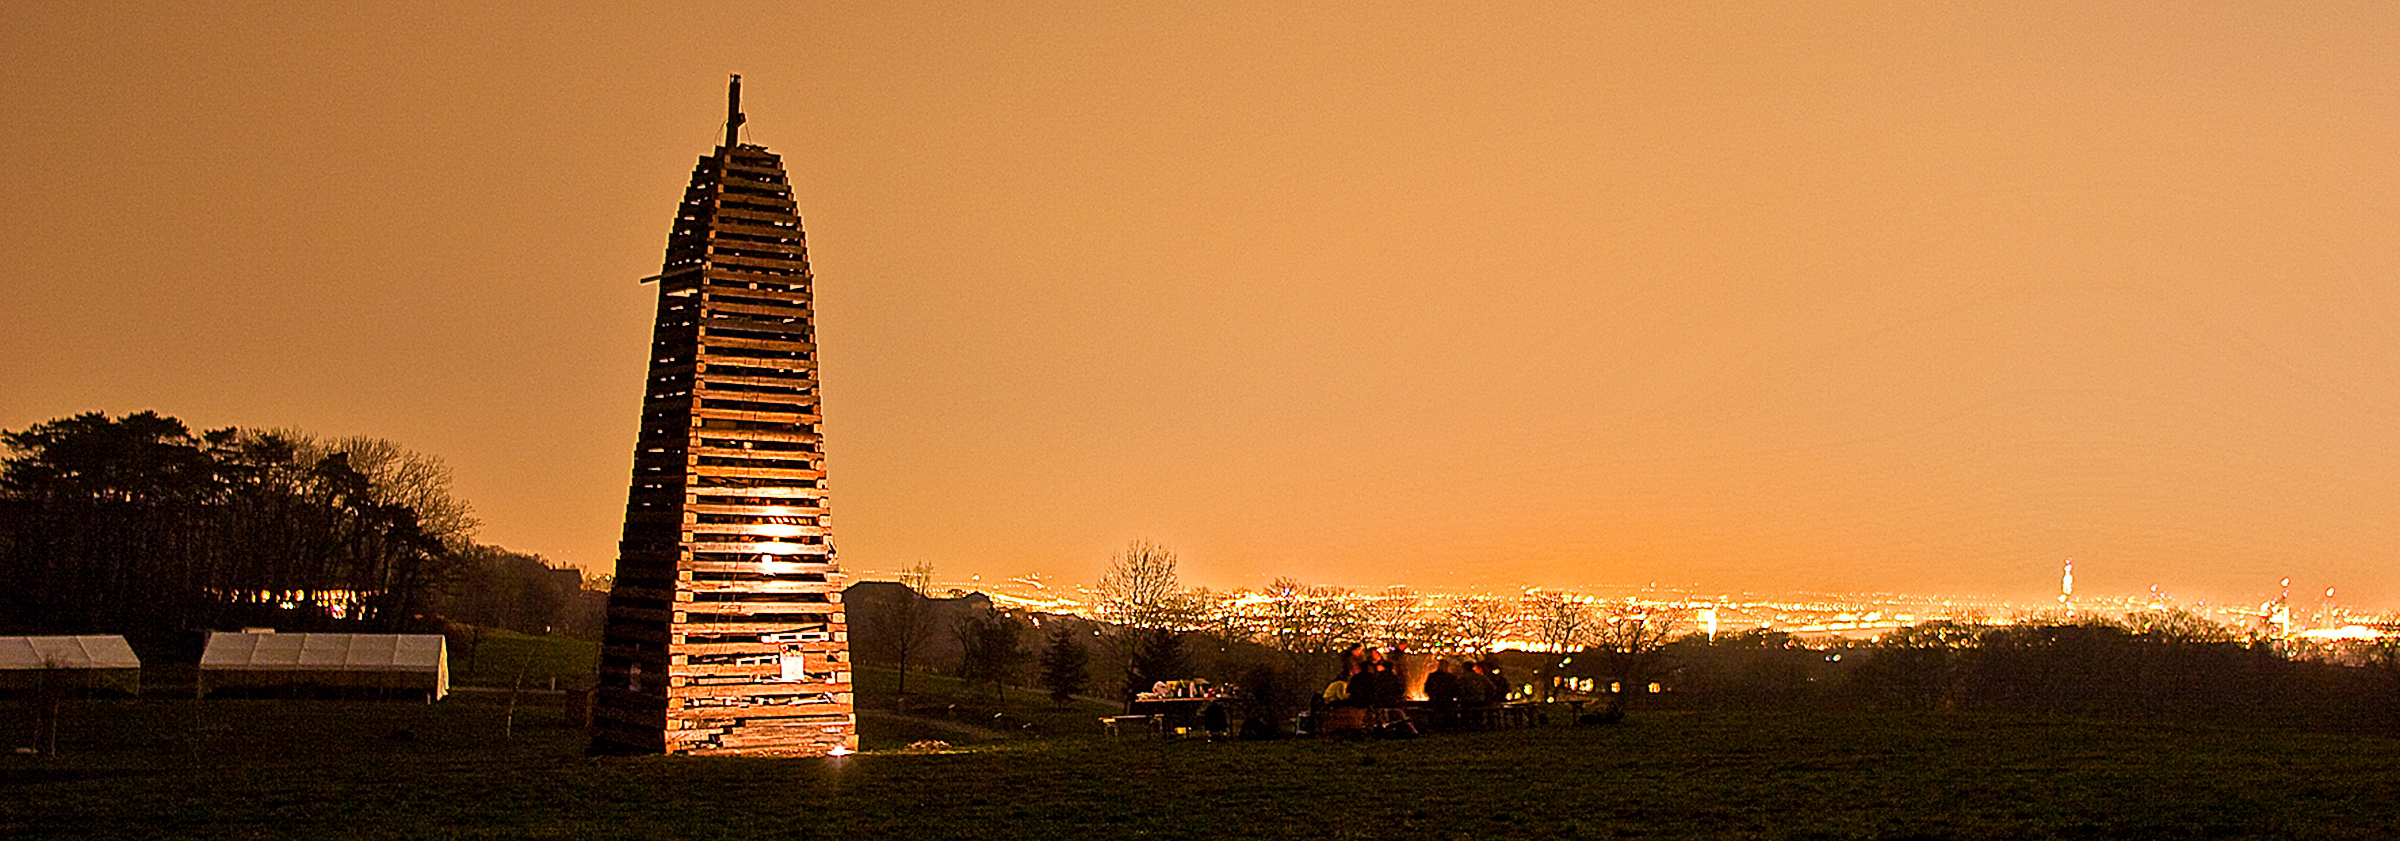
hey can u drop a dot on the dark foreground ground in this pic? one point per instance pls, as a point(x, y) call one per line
point(358, 769)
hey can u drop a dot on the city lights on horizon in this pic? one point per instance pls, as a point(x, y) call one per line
point(1816, 616)
point(1037, 587)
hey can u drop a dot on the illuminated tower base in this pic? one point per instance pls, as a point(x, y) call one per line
point(725, 628)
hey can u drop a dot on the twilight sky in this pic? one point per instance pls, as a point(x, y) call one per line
point(1916, 297)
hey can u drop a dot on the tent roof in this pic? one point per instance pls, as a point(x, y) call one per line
point(325, 652)
point(87, 652)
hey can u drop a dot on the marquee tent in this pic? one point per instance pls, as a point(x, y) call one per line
point(85, 661)
point(350, 661)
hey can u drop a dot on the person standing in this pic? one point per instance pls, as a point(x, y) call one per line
point(1444, 689)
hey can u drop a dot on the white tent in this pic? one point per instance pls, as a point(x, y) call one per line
point(86, 661)
point(379, 661)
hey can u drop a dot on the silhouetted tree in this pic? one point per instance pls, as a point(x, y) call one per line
point(104, 512)
point(1139, 589)
point(134, 525)
point(499, 588)
point(1754, 669)
point(1920, 667)
point(990, 649)
point(1307, 618)
point(1476, 623)
point(1628, 641)
point(1560, 621)
point(2382, 656)
point(899, 628)
point(919, 577)
point(1395, 616)
point(397, 475)
point(1157, 655)
point(1065, 663)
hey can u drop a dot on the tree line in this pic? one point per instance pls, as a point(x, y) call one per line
point(1148, 628)
point(139, 525)
point(1280, 643)
point(2170, 664)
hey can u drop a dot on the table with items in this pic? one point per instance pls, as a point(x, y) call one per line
point(1187, 707)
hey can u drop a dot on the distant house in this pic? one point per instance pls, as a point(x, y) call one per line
point(389, 662)
point(85, 662)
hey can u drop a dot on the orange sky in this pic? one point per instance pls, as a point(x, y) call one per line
point(1915, 297)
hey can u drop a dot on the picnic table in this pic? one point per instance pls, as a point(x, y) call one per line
point(1180, 708)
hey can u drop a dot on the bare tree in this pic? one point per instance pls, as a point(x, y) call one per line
point(1139, 588)
point(1631, 637)
point(1395, 616)
point(1636, 628)
point(1211, 613)
point(1476, 623)
point(919, 577)
point(904, 628)
point(1560, 621)
point(399, 475)
point(1307, 618)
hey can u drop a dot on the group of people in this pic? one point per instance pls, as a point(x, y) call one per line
point(1371, 691)
point(1469, 684)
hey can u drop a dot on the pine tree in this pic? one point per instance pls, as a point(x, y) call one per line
point(1064, 664)
point(1157, 655)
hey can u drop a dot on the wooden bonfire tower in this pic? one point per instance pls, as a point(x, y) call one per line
point(725, 629)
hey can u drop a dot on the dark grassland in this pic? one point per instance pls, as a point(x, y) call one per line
point(161, 768)
point(501, 659)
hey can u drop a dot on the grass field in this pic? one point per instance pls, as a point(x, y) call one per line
point(158, 768)
point(502, 656)
point(943, 708)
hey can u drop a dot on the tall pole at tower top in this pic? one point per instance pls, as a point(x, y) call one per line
point(733, 112)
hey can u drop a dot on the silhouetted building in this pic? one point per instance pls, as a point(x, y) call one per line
point(725, 628)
